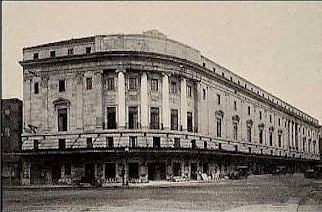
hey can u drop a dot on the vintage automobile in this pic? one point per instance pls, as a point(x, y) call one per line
point(280, 170)
point(316, 172)
point(239, 173)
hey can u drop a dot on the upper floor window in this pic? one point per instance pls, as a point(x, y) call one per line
point(204, 93)
point(89, 84)
point(248, 110)
point(88, 50)
point(62, 119)
point(61, 85)
point(36, 144)
point(279, 122)
point(189, 122)
point(204, 64)
point(70, 51)
point(235, 126)
point(260, 136)
point(154, 114)
point(189, 91)
point(235, 105)
point(271, 138)
point(154, 84)
point(249, 134)
point(89, 143)
point(218, 127)
point(61, 144)
point(176, 142)
point(174, 119)
point(52, 54)
point(109, 142)
point(193, 144)
point(110, 84)
point(173, 87)
point(133, 141)
point(156, 142)
point(260, 114)
point(36, 88)
point(36, 56)
point(270, 118)
point(279, 140)
point(218, 99)
point(132, 83)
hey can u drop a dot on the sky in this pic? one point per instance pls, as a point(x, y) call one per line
point(275, 45)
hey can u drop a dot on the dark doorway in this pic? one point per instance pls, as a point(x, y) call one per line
point(110, 170)
point(205, 168)
point(156, 171)
point(111, 118)
point(176, 169)
point(133, 170)
point(37, 174)
point(89, 173)
point(56, 172)
point(193, 171)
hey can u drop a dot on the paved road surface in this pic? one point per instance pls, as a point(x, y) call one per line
point(258, 193)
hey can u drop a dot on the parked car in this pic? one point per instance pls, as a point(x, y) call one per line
point(239, 173)
point(316, 172)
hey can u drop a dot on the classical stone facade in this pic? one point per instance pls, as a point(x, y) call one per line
point(152, 108)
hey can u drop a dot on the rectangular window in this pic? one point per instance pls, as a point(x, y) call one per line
point(68, 168)
point(249, 134)
point(36, 144)
point(189, 122)
point(260, 114)
point(218, 99)
point(61, 85)
point(154, 114)
point(133, 118)
point(109, 142)
point(132, 83)
point(260, 136)
point(248, 110)
point(89, 84)
point(235, 105)
point(61, 144)
point(110, 84)
point(189, 91)
point(36, 56)
point(270, 138)
point(36, 88)
point(133, 141)
point(88, 50)
point(62, 119)
point(235, 131)
point(176, 142)
point(173, 87)
point(219, 127)
point(156, 142)
point(52, 53)
point(279, 140)
point(89, 143)
point(70, 51)
point(154, 84)
point(205, 144)
point(193, 144)
point(111, 118)
point(204, 94)
point(270, 118)
point(279, 122)
point(174, 119)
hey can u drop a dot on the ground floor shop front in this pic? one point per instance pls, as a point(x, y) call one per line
point(142, 166)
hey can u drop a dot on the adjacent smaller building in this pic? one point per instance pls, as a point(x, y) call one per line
point(11, 130)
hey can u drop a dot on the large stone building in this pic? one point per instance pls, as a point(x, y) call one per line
point(150, 108)
point(11, 130)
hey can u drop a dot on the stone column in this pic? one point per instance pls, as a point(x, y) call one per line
point(165, 102)
point(144, 101)
point(183, 101)
point(289, 134)
point(293, 137)
point(79, 99)
point(121, 98)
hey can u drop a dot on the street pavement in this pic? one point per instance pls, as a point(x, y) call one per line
point(257, 193)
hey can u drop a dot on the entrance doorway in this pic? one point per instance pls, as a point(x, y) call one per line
point(56, 172)
point(176, 169)
point(133, 171)
point(89, 173)
point(205, 168)
point(110, 170)
point(156, 171)
point(193, 175)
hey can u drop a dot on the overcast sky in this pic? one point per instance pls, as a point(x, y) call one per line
point(275, 45)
